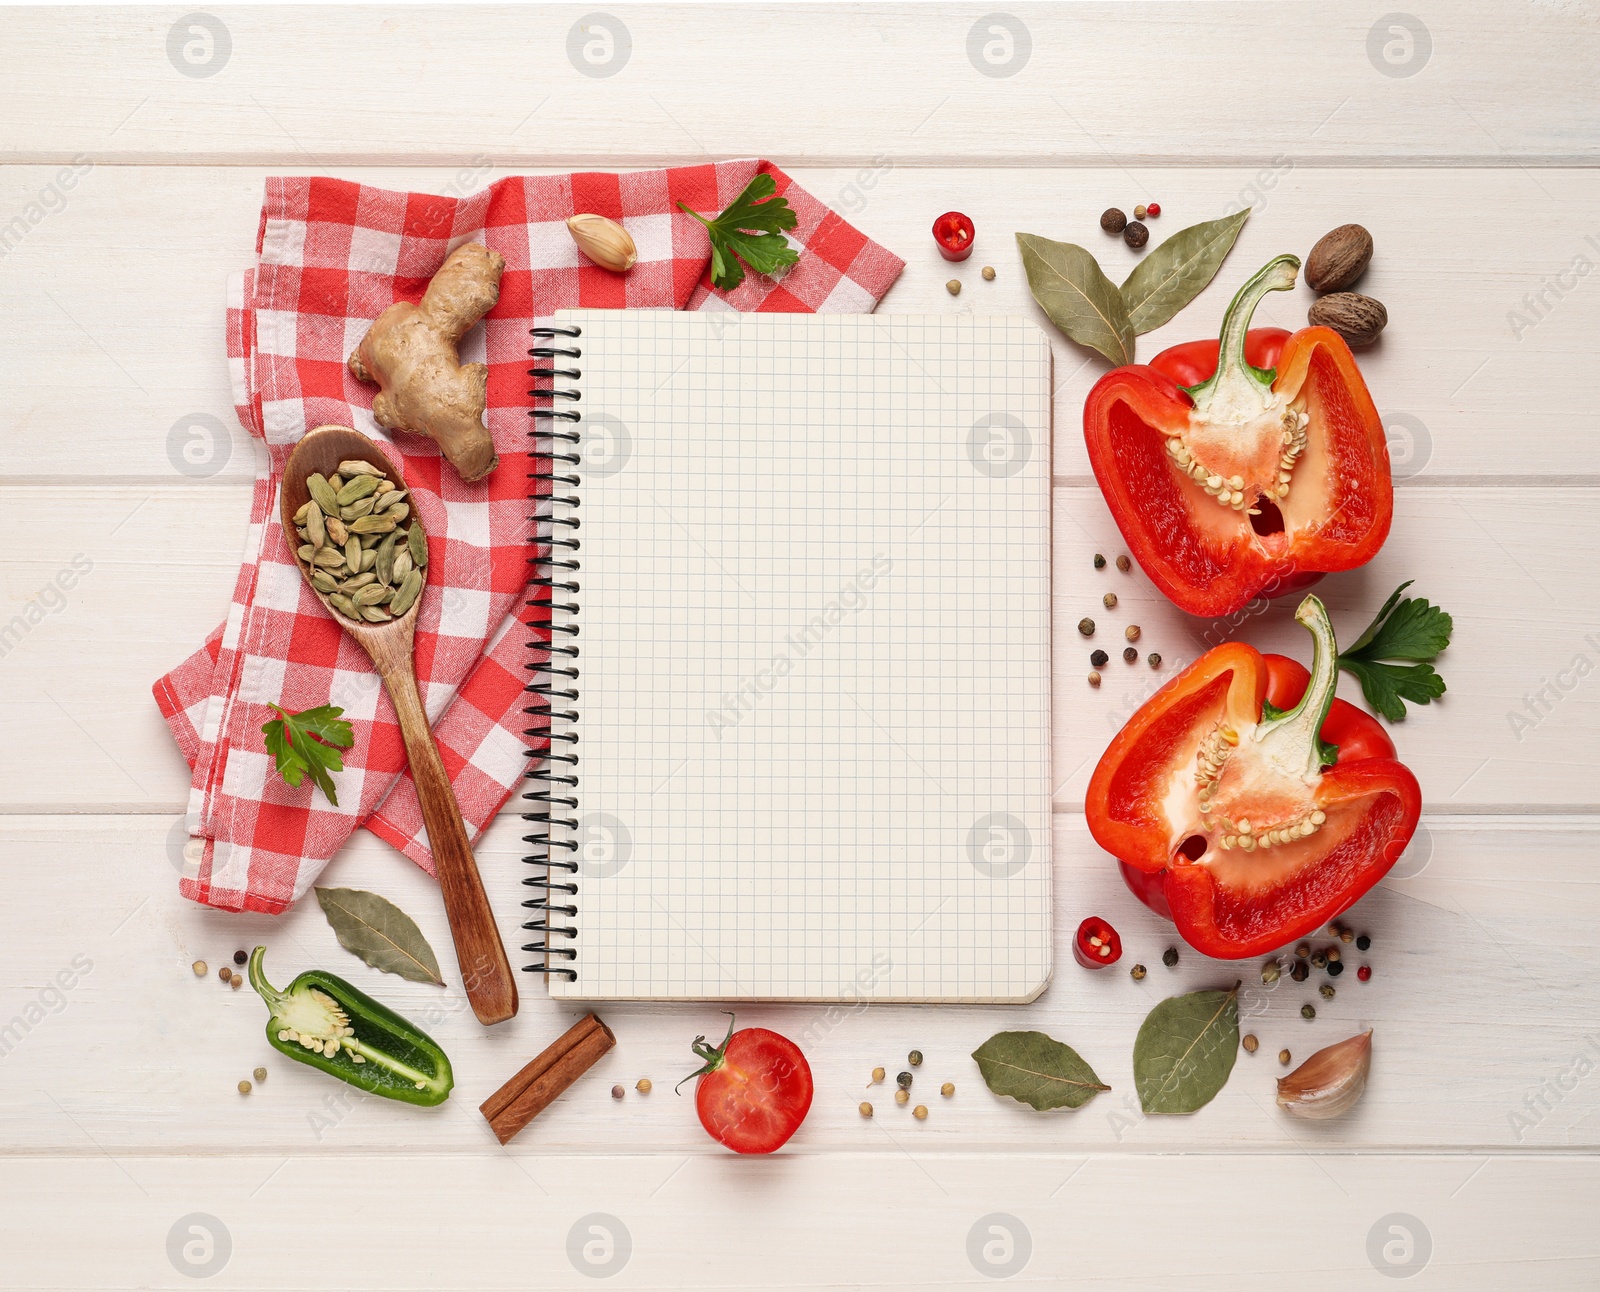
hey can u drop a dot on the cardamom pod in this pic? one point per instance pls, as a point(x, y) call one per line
point(322, 581)
point(300, 516)
point(329, 559)
point(417, 544)
point(359, 508)
point(384, 564)
point(375, 614)
point(604, 241)
point(316, 531)
point(305, 552)
point(343, 605)
point(403, 565)
point(359, 488)
point(369, 595)
point(398, 512)
point(336, 531)
point(384, 486)
point(373, 524)
point(336, 482)
point(322, 494)
point(360, 581)
point(369, 555)
point(359, 467)
point(408, 593)
point(352, 555)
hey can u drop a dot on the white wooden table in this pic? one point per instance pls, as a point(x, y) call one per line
point(1464, 135)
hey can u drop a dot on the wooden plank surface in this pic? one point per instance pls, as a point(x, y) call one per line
point(1480, 949)
point(1477, 384)
point(1044, 85)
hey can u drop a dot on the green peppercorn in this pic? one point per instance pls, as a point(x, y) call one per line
point(1169, 957)
point(1308, 1011)
point(1319, 960)
point(1086, 627)
point(1124, 564)
point(1138, 972)
point(244, 1087)
point(1130, 655)
point(1099, 561)
point(903, 1081)
point(1109, 601)
point(914, 1058)
point(1155, 660)
point(260, 1074)
point(1327, 990)
point(1099, 658)
point(1363, 943)
point(1300, 971)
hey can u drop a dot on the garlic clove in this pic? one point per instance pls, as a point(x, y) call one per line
point(604, 241)
point(1330, 1082)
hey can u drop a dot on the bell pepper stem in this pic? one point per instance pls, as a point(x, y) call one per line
point(1277, 275)
point(1296, 734)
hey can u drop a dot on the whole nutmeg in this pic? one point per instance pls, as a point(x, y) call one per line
point(1357, 318)
point(604, 241)
point(1136, 235)
point(1112, 220)
point(1338, 259)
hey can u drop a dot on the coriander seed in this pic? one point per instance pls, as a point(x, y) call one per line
point(1099, 561)
point(225, 973)
point(236, 982)
point(643, 1086)
point(1334, 955)
point(1347, 936)
point(1109, 601)
point(201, 969)
point(1140, 211)
point(877, 1075)
point(865, 1109)
point(1086, 626)
point(920, 1112)
point(260, 1074)
point(1283, 1057)
point(948, 1089)
point(902, 1096)
point(903, 1081)
point(1308, 1010)
point(1094, 677)
point(1124, 564)
point(1302, 950)
point(1250, 1043)
point(1131, 632)
point(1099, 658)
point(1130, 655)
point(914, 1058)
point(1169, 957)
point(988, 273)
point(953, 287)
point(1137, 973)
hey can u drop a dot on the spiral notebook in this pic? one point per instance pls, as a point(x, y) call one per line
point(798, 669)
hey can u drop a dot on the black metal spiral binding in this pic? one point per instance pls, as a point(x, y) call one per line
point(556, 797)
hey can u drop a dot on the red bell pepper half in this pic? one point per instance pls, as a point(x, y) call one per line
point(1249, 805)
point(1256, 474)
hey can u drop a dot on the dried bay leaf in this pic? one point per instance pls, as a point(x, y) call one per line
point(1185, 1050)
point(380, 933)
point(1036, 1070)
point(1080, 300)
point(1174, 273)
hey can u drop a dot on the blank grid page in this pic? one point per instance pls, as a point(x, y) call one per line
point(814, 731)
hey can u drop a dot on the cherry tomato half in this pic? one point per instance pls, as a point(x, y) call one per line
point(754, 1091)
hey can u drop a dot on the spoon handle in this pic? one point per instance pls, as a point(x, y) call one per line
point(485, 971)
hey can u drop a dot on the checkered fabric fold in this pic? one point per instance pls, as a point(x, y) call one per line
point(331, 256)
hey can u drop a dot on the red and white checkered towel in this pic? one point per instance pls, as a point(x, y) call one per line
point(332, 256)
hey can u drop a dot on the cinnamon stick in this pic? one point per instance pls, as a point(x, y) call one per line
point(537, 1085)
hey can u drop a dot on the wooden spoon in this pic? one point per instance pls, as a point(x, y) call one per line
point(485, 972)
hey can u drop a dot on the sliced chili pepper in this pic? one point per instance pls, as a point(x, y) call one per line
point(1097, 944)
point(1244, 466)
point(954, 233)
point(1247, 804)
point(323, 1021)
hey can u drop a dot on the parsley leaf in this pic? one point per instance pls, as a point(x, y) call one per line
point(766, 249)
point(309, 742)
point(1409, 629)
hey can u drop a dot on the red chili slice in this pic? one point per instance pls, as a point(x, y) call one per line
point(954, 233)
point(1096, 944)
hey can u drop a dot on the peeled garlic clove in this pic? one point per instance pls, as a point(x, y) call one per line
point(604, 241)
point(1330, 1082)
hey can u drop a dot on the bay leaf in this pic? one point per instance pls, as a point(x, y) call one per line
point(1080, 300)
point(1185, 1050)
point(380, 933)
point(1036, 1070)
point(1174, 273)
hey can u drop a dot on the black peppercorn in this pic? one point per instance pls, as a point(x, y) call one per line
point(914, 1058)
point(1129, 655)
point(1086, 626)
point(1335, 968)
point(1155, 660)
point(241, 957)
point(1169, 957)
point(1112, 220)
point(1099, 658)
point(1308, 1011)
point(1300, 971)
point(1135, 235)
point(1363, 942)
point(1099, 561)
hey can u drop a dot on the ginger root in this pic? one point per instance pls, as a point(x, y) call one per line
point(411, 353)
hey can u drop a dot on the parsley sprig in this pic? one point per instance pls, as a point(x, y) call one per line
point(750, 230)
point(309, 743)
point(1410, 630)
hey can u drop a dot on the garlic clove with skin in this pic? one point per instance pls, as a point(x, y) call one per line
point(604, 241)
point(1330, 1082)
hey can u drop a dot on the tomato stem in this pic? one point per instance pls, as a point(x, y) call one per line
point(713, 1058)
